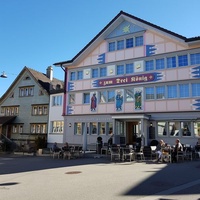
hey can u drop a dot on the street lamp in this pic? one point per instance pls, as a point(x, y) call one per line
point(3, 75)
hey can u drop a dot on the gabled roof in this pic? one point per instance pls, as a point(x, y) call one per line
point(119, 17)
point(41, 79)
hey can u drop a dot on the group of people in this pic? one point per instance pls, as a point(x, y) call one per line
point(61, 150)
point(163, 147)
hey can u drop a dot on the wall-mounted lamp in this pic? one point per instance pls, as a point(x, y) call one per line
point(70, 124)
point(3, 75)
point(151, 124)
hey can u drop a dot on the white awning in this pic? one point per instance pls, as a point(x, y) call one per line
point(131, 117)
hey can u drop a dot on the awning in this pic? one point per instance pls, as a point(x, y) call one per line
point(140, 116)
point(6, 119)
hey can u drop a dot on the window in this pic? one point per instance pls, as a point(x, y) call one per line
point(182, 60)
point(195, 89)
point(184, 90)
point(103, 72)
point(26, 91)
point(120, 44)
point(103, 97)
point(38, 128)
point(39, 110)
point(149, 65)
point(57, 126)
point(129, 68)
point(186, 128)
point(93, 128)
point(86, 98)
point(160, 63)
point(171, 62)
point(150, 93)
point(10, 110)
point(129, 43)
point(78, 128)
point(17, 128)
point(80, 75)
point(111, 46)
point(95, 73)
point(110, 127)
point(129, 95)
point(197, 129)
point(102, 128)
point(162, 129)
point(160, 92)
point(111, 96)
point(120, 69)
point(195, 58)
point(172, 91)
point(72, 76)
point(71, 98)
point(174, 128)
point(57, 100)
point(139, 41)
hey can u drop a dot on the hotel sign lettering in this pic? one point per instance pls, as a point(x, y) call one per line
point(127, 80)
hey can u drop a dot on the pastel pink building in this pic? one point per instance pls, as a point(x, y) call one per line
point(136, 80)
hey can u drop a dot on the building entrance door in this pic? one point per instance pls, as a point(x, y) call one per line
point(132, 132)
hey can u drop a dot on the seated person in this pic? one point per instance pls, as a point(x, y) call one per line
point(197, 146)
point(159, 149)
point(65, 147)
point(55, 147)
point(178, 147)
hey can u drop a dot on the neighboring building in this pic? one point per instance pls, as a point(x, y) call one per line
point(137, 80)
point(25, 106)
point(56, 119)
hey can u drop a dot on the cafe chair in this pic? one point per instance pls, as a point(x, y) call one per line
point(127, 153)
point(140, 154)
point(115, 153)
point(153, 152)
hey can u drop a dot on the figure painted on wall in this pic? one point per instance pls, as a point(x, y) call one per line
point(93, 102)
point(138, 100)
point(119, 100)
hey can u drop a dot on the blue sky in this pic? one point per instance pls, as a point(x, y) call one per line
point(39, 33)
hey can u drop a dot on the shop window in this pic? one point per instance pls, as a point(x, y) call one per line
point(174, 129)
point(186, 128)
point(162, 128)
point(102, 128)
point(78, 128)
point(93, 128)
point(197, 129)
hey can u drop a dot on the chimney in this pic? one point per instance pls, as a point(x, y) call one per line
point(49, 72)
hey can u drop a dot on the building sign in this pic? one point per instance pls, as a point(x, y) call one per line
point(141, 78)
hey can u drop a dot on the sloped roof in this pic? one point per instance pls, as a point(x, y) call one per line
point(44, 81)
point(6, 119)
point(122, 13)
point(41, 79)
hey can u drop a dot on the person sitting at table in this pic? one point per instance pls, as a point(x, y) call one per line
point(178, 147)
point(197, 146)
point(159, 148)
point(55, 147)
point(66, 151)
